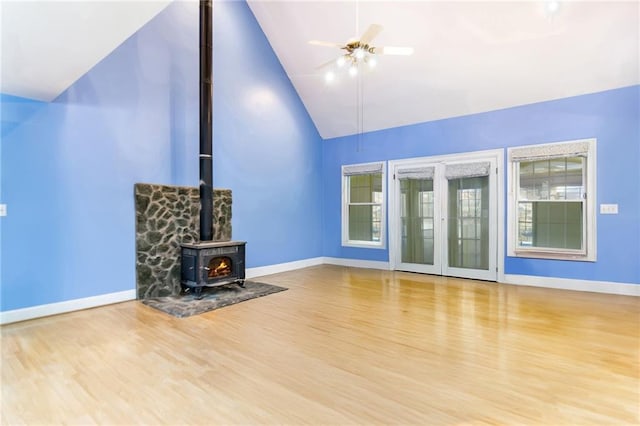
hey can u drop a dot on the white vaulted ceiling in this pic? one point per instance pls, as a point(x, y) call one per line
point(47, 45)
point(470, 56)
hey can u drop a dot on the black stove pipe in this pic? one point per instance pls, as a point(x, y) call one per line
point(206, 121)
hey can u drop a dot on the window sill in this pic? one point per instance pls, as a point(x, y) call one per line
point(363, 244)
point(552, 255)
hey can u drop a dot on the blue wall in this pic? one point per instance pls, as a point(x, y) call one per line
point(68, 167)
point(612, 117)
point(268, 149)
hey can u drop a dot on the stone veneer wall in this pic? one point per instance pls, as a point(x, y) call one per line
point(167, 216)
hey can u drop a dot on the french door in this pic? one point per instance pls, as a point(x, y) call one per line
point(444, 215)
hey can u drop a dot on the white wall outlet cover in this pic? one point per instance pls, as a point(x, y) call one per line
point(3, 209)
point(608, 209)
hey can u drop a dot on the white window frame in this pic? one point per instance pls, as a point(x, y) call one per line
point(346, 242)
point(554, 150)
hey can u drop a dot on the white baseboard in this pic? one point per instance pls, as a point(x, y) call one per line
point(608, 287)
point(357, 263)
point(282, 267)
point(315, 261)
point(32, 312)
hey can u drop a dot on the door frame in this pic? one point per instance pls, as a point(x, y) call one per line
point(393, 207)
point(395, 250)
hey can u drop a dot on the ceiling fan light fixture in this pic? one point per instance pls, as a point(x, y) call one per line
point(329, 76)
point(372, 61)
point(356, 52)
point(552, 7)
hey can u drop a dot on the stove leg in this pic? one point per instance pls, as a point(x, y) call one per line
point(240, 283)
point(198, 292)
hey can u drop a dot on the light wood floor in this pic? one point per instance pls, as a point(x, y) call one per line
point(341, 346)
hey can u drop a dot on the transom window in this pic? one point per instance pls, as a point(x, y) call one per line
point(553, 188)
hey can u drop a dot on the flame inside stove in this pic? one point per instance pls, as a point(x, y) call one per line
point(219, 267)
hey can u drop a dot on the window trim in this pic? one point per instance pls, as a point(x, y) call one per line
point(554, 150)
point(346, 242)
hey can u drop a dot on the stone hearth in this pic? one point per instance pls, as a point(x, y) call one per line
point(167, 216)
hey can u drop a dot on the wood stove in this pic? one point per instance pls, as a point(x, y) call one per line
point(211, 264)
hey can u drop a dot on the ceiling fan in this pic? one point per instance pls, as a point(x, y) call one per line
point(361, 51)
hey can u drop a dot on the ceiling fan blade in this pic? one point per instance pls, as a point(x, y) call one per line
point(390, 50)
point(326, 64)
point(324, 43)
point(370, 33)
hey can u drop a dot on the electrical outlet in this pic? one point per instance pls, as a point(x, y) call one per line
point(3, 209)
point(608, 209)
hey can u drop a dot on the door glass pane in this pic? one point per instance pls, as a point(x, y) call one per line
point(416, 215)
point(468, 233)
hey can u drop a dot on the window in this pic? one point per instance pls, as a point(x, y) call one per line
point(363, 205)
point(552, 208)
